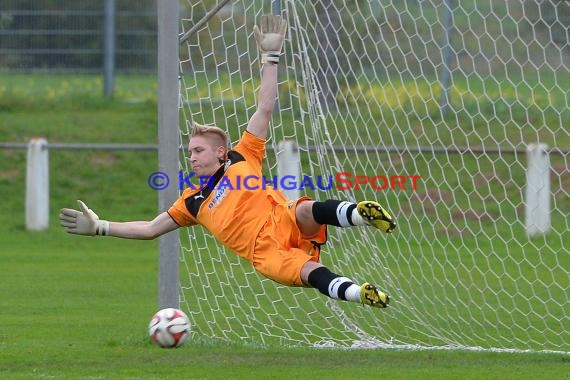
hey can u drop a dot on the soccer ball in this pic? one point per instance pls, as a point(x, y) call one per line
point(169, 328)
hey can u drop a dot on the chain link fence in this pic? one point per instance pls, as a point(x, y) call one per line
point(68, 36)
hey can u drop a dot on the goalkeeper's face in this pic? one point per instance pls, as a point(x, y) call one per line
point(205, 155)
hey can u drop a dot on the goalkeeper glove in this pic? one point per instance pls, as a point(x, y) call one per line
point(84, 222)
point(270, 37)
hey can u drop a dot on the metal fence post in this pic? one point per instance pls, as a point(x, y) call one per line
point(109, 48)
point(446, 58)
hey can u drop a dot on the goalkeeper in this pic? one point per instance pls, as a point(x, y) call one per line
point(280, 238)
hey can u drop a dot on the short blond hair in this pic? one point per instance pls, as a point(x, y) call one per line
point(219, 134)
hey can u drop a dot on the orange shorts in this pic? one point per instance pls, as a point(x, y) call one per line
point(280, 249)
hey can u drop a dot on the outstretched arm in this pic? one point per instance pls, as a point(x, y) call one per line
point(86, 222)
point(259, 122)
point(143, 230)
point(269, 40)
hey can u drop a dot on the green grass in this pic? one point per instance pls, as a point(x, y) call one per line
point(76, 307)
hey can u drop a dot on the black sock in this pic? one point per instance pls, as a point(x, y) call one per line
point(322, 278)
point(333, 212)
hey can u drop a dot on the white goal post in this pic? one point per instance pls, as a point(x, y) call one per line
point(450, 93)
point(168, 146)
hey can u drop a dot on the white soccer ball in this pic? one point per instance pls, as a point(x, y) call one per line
point(169, 328)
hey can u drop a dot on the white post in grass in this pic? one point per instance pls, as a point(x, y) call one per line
point(537, 190)
point(288, 169)
point(37, 185)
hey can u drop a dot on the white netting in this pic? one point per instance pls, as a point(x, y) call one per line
point(372, 88)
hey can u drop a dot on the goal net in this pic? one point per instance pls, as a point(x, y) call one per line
point(437, 105)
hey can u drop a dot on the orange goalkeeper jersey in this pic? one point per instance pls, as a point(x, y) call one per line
point(236, 203)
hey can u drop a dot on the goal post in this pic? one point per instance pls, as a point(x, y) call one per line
point(168, 146)
point(434, 125)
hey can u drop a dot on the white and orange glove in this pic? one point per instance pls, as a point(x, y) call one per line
point(84, 222)
point(270, 36)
